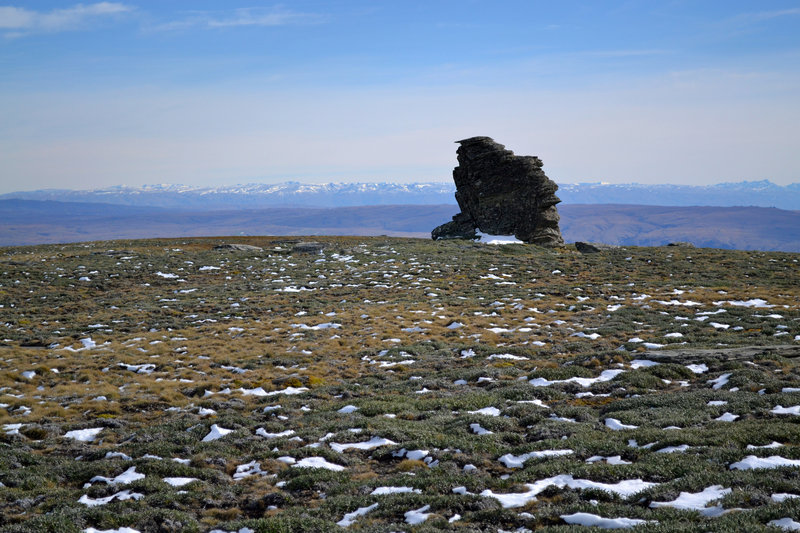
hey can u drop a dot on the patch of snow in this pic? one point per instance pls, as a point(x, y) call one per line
point(612, 460)
point(380, 491)
point(128, 476)
point(642, 363)
point(773, 444)
point(616, 425)
point(288, 391)
point(349, 518)
point(121, 496)
point(783, 496)
point(480, 430)
point(216, 432)
point(605, 375)
point(488, 411)
point(371, 444)
point(178, 481)
point(317, 462)
point(698, 368)
point(751, 462)
point(719, 382)
point(418, 516)
point(248, 469)
point(755, 302)
point(786, 524)
point(507, 356)
point(516, 461)
point(593, 520)
point(779, 410)
point(261, 432)
point(673, 449)
point(83, 435)
point(623, 488)
point(697, 501)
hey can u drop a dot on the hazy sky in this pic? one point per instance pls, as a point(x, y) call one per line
point(204, 92)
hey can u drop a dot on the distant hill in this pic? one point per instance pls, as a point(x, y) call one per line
point(294, 194)
point(746, 228)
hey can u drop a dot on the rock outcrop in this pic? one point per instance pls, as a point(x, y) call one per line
point(238, 247)
point(500, 193)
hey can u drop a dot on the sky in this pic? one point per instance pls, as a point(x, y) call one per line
point(206, 93)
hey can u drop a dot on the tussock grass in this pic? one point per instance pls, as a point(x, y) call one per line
point(421, 331)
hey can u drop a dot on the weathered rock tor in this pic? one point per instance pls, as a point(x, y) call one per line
point(500, 193)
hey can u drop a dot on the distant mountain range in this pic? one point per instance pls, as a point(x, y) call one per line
point(745, 228)
point(294, 194)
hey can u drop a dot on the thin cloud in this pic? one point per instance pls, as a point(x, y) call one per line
point(766, 15)
point(627, 53)
point(244, 17)
point(19, 21)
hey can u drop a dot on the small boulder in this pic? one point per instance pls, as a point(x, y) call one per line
point(587, 248)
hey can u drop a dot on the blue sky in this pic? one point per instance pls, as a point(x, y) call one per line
point(95, 94)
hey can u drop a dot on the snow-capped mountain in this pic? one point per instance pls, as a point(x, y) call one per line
point(762, 193)
point(291, 193)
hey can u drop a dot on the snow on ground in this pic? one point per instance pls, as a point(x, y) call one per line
point(616, 425)
point(118, 530)
point(605, 375)
point(623, 488)
point(216, 432)
point(719, 382)
point(697, 501)
point(371, 444)
point(128, 476)
point(488, 411)
point(593, 520)
point(497, 239)
point(642, 363)
point(752, 462)
point(179, 481)
point(349, 518)
point(317, 462)
point(121, 496)
point(381, 491)
point(754, 302)
point(773, 444)
point(786, 524)
point(779, 410)
point(263, 433)
point(417, 516)
point(517, 461)
point(612, 460)
point(83, 435)
point(698, 368)
point(783, 496)
point(480, 430)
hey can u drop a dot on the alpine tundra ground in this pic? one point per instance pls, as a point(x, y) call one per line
point(397, 385)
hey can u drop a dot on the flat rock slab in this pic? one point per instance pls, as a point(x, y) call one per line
point(593, 247)
point(238, 247)
point(308, 247)
point(723, 353)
